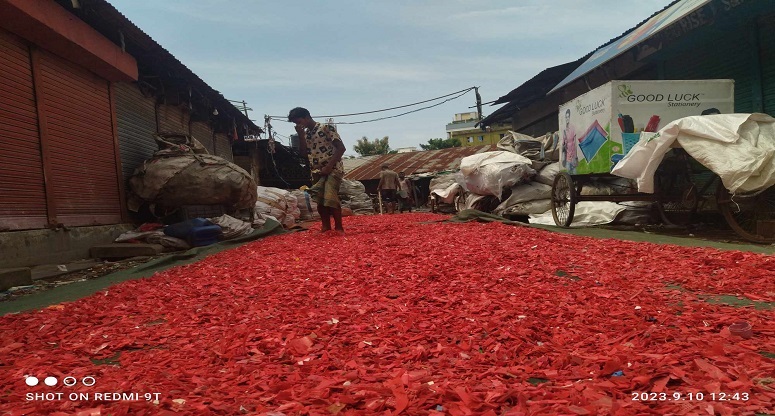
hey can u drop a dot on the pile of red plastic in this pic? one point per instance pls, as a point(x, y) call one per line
point(404, 315)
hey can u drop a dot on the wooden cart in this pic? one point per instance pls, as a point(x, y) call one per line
point(750, 215)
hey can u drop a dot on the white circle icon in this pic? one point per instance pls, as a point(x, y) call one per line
point(50, 381)
point(70, 381)
point(31, 381)
point(88, 381)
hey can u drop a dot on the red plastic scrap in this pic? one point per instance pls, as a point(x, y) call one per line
point(404, 317)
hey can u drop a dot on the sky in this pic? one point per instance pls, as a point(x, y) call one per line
point(349, 56)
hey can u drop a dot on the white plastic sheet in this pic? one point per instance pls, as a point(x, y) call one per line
point(740, 148)
point(587, 213)
point(447, 196)
point(536, 206)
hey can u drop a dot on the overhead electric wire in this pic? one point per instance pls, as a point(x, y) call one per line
point(389, 109)
point(403, 114)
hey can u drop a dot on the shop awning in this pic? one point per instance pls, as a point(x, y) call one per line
point(647, 29)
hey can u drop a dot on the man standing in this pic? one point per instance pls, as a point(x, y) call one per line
point(324, 149)
point(388, 186)
point(405, 193)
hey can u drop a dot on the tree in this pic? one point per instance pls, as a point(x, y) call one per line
point(435, 144)
point(366, 147)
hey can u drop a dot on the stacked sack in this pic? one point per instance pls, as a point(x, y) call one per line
point(354, 197)
point(278, 204)
point(308, 208)
point(532, 197)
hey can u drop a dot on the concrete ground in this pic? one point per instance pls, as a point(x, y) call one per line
point(90, 280)
point(684, 240)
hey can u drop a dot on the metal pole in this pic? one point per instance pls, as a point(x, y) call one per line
point(478, 104)
point(245, 108)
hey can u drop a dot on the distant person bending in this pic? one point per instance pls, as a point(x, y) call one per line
point(388, 187)
point(324, 149)
point(405, 193)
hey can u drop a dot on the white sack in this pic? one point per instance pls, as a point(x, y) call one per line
point(740, 148)
point(587, 213)
point(231, 227)
point(278, 203)
point(353, 196)
point(359, 204)
point(489, 172)
point(349, 187)
point(547, 174)
point(524, 193)
point(302, 199)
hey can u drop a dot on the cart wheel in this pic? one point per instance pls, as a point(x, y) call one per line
point(564, 199)
point(752, 215)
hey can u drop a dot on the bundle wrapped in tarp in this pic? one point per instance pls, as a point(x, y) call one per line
point(349, 187)
point(176, 176)
point(489, 173)
point(739, 148)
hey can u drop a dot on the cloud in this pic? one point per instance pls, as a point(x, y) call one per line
point(320, 73)
point(532, 19)
point(211, 11)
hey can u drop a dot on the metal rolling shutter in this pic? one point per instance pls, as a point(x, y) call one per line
point(22, 190)
point(767, 56)
point(80, 141)
point(729, 58)
point(202, 132)
point(223, 147)
point(172, 119)
point(136, 117)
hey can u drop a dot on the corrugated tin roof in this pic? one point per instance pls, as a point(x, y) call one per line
point(350, 164)
point(427, 161)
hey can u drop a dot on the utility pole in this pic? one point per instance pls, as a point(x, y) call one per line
point(478, 105)
point(269, 133)
point(245, 107)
